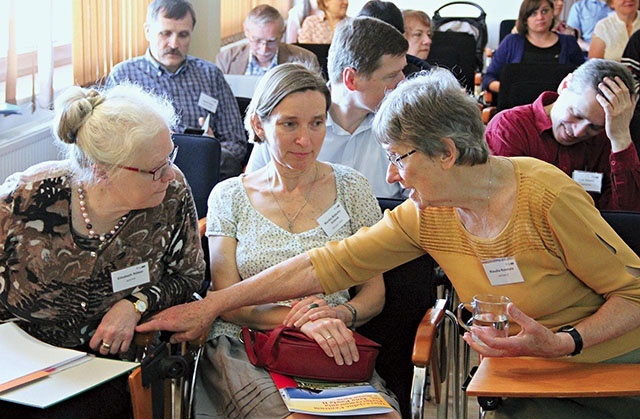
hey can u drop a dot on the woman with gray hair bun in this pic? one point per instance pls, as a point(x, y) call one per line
point(91, 244)
point(574, 284)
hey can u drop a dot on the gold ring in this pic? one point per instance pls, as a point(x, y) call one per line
point(106, 345)
point(329, 337)
point(313, 305)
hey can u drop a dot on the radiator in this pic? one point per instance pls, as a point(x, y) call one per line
point(31, 146)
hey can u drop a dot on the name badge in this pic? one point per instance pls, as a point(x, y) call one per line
point(590, 181)
point(130, 277)
point(208, 102)
point(502, 271)
point(333, 219)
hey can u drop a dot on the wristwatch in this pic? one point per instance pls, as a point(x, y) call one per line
point(140, 306)
point(577, 339)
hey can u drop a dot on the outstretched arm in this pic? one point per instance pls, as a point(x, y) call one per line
point(292, 278)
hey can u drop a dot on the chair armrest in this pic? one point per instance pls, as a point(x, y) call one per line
point(426, 334)
point(488, 113)
point(202, 226)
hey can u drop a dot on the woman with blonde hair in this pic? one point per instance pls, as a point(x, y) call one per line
point(611, 34)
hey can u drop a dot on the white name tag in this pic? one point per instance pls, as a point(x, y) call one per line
point(333, 219)
point(502, 271)
point(130, 277)
point(208, 102)
point(590, 181)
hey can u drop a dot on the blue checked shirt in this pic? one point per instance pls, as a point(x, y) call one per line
point(254, 69)
point(184, 87)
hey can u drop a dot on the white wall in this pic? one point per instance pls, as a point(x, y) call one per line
point(496, 10)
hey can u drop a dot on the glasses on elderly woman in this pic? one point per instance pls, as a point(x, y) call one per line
point(397, 160)
point(156, 173)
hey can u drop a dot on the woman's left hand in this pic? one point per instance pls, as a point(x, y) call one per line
point(533, 340)
point(335, 338)
point(115, 332)
point(302, 310)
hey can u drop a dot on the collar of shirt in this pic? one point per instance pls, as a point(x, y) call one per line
point(254, 69)
point(542, 120)
point(160, 68)
point(338, 130)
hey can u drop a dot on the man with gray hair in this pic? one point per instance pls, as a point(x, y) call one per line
point(583, 130)
point(365, 61)
point(263, 27)
point(196, 87)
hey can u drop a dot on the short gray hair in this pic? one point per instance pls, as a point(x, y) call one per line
point(106, 127)
point(360, 43)
point(590, 74)
point(264, 14)
point(171, 9)
point(427, 108)
point(278, 83)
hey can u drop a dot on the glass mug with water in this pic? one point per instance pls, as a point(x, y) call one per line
point(489, 311)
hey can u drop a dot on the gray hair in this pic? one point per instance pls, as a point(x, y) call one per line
point(360, 43)
point(171, 9)
point(590, 74)
point(264, 14)
point(106, 127)
point(277, 84)
point(427, 108)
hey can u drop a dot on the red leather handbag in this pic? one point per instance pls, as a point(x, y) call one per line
point(288, 351)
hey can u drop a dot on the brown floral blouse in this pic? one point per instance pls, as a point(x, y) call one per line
point(58, 285)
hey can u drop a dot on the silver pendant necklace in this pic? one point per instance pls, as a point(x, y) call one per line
point(291, 221)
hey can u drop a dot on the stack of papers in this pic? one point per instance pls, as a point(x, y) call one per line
point(37, 374)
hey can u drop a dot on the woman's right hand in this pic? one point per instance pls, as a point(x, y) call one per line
point(334, 337)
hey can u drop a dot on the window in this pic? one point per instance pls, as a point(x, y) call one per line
point(76, 42)
point(29, 57)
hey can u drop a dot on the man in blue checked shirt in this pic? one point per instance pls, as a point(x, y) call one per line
point(196, 87)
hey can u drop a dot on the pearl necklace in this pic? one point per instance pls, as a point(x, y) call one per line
point(87, 220)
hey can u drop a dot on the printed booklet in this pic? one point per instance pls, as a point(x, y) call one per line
point(328, 398)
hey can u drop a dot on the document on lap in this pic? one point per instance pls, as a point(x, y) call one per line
point(37, 374)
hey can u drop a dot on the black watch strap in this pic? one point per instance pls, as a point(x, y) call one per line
point(577, 339)
point(131, 298)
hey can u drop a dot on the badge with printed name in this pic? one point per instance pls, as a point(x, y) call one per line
point(333, 219)
point(590, 181)
point(208, 102)
point(130, 277)
point(502, 271)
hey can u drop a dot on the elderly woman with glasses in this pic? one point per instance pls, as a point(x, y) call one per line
point(91, 244)
point(574, 284)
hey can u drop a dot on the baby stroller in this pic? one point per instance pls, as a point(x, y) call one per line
point(473, 25)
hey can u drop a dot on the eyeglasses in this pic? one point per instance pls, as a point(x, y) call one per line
point(397, 160)
point(270, 43)
point(156, 173)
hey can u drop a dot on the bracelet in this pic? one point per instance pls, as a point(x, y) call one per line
point(354, 312)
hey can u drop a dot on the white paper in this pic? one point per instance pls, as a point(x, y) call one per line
point(22, 354)
point(241, 85)
point(68, 382)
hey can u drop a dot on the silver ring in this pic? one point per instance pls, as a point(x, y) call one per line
point(105, 345)
point(313, 305)
point(328, 337)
